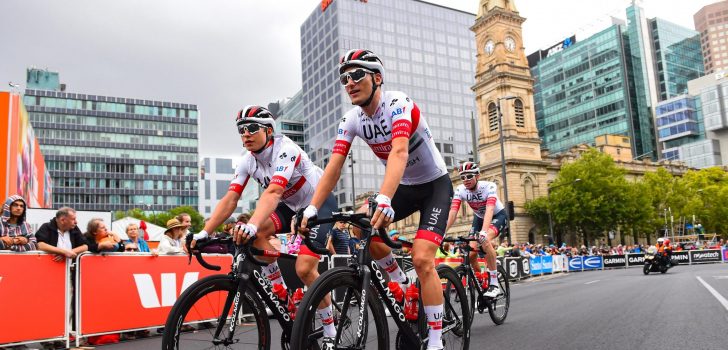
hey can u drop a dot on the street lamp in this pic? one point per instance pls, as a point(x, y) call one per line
point(353, 189)
point(503, 159)
point(548, 199)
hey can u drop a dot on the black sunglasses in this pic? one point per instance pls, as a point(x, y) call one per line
point(467, 176)
point(251, 128)
point(356, 75)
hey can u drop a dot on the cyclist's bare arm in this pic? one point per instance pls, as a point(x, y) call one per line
point(452, 215)
point(224, 208)
point(328, 180)
point(266, 204)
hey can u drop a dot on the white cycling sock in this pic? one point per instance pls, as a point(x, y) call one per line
point(434, 321)
point(389, 264)
point(493, 277)
point(273, 273)
point(327, 320)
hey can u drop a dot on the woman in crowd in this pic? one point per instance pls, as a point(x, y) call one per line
point(132, 231)
point(99, 238)
point(171, 242)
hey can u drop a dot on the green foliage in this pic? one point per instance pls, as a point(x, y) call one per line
point(602, 199)
point(161, 218)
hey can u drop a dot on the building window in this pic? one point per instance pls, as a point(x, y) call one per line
point(520, 119)
point(492, 117)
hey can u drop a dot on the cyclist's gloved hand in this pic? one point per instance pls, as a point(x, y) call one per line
point(193, 238)
point(308, 213)
point(384, 204)
point(243, 232)
point(483, 237)
point(384, 213)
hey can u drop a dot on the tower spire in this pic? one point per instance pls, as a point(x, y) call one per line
point(488, 5)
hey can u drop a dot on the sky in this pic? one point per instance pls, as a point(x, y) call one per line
point(224, 54)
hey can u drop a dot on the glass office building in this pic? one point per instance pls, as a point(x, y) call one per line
point(610, 83)
point(428, 52)
point(112, 153)
point(678, 123)
point(217, 172)
point(290, 120)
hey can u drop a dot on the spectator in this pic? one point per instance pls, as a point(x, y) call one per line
point(338, 242)
point(186, 220)
point(132, 231)
point(61, 236)
point(354, 241)
point(502, 249)
point(171, 242)
point(99, 239)
point(244, 217)
point(15, 234)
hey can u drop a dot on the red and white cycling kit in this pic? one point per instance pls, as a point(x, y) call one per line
point(483, 195)
point(425, 185)
point(285, 164)
point(397, 116)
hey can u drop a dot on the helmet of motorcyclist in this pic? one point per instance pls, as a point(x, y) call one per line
point(667, 241)
point(660, 240)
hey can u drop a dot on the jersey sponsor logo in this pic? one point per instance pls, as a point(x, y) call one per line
point(281, 168)
point(474, 197)
point(147, 291)
point(413, 161)
point(393, 102)
point(398, 111)
point(283, 155)
point(372, 131)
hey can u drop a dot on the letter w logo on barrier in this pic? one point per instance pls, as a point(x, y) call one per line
point(148, 292)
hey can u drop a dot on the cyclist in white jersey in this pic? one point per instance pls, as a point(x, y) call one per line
point(289, 178)
point(482, 197)
point(415, 178)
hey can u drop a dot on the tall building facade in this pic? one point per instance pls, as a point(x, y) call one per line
point(428, 52)
point(611, 82)
point(712, 24)
point(216, 174)
point(113, 153)
point(290, 120)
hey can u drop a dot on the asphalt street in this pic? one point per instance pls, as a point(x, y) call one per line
point(611, 309)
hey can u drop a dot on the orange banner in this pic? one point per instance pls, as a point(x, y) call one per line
point(33, 294)
point(127, 291)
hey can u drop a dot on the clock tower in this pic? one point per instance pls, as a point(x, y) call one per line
point(502, 76)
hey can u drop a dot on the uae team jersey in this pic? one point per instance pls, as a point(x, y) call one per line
point(483, 196)
point(285, 164)
point(396, 116)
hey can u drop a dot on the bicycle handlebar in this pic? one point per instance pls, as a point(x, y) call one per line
point(458, 239)
point(251, 251)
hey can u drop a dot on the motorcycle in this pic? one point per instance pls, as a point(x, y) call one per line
point(654, 262)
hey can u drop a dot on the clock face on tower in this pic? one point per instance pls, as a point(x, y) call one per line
point(489, 46)
point(510, 44)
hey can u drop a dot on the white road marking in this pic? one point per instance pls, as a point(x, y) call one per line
point(721, 277)
point(594, 281)
point(715, 293)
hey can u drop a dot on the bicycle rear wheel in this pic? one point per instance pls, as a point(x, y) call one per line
point(498, 306)
point(456, 314)
point(345, 287)
point(202, 304)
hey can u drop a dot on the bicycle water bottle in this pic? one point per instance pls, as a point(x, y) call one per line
point(396, 291)
point(410, 303)
point(280, 291)
point(294, 301)
point(485, 279)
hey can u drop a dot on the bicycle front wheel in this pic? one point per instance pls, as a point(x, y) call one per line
point(498, 306)
point(471, 290)
point(197, 315)
point(344, 287)
point(456, 314)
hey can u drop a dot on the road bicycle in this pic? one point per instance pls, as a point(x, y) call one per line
point(360, 291)
point(497, 306)
point(217, 303)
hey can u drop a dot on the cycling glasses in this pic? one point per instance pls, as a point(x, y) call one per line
point(251, 128)
point(467, 176)
point(356, 75)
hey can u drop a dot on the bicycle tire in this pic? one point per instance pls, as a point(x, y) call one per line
point(340, 280)
point(208, 296)
point(499, 312)
point(456, 315)
point(470, 289)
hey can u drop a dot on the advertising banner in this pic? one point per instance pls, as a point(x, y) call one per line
point(547, 264)
point(725, 255)
point(580, 263)
point(536, 265)
point(560, 263)
point(33, 288)
point(128, 291)
point(512, 266)
point(705, 256)
point(525, 267)
point(682, 257)
point(635, 260)
point(613, 261)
